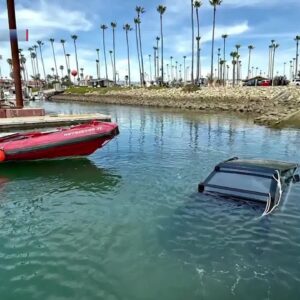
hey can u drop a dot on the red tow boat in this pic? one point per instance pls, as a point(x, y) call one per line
point(80, 140)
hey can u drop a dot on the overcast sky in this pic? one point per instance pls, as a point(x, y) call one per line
point(246, 22)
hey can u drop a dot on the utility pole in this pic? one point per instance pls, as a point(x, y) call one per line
point(15, 52)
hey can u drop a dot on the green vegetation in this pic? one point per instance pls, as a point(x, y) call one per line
point(190, 88)
point(81, 90)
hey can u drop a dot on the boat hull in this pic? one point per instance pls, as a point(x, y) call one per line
point(81, 140)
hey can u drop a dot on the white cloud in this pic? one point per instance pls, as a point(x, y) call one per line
point(45, 18)
point(183, 41)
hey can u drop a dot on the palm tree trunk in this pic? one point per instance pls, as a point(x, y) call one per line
point(112, 63)
point(114, 48)
point(154, 58)
point(184, 75)
point(37, 62)
point(54, 58)
point(67, 66)
point(249, 62)
point(138, 52)
point(273, 65)
point(104, 51)
point(78, 78)
point(128, 58)
point(150, 68)
point(142, 59)
point(198, 46)
point(162, 49)
point(193, 41)
point(233, 74)
point(297, 57)
point(224, 58)
point(157, 59)
point(42, 60)
point(213, 45)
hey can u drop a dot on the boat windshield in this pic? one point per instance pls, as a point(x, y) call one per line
point(240, 185)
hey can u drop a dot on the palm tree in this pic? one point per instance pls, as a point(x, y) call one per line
point(224, 37)
point(30, 49)
point(238, 56)
point(172, 75)
point(297, 39)
point(197, 5)
point(104, 27)
point(193, 40)
point(81, 73)
point(128, 28)
point(234, 55)
point(97, 68)
point(214, 3)
point(62, 71)
point(74, 37)
point(37, 60)
point(157, 55)
point(113, 26)
point(184, 68)
point(150, 67)
point(140, 10)
point(219, 58)
point(98, 63)
point(40, 43)
point(54, 58)
point(161, 10)
point(250, 47)
point(155, 71)
point(275, 46)
point(136, 22)
point(67, 66)
point(68, 60)
point(112, 61)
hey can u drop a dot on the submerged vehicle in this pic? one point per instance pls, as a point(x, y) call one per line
point(79, 140)
point(261, 181)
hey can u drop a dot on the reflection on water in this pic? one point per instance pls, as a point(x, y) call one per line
point(78, 173)
point(127, 223)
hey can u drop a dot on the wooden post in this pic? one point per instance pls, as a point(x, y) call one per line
point(15, 52)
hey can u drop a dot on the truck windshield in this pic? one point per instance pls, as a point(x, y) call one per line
point(240, 185)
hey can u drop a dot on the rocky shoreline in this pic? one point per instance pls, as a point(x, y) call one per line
point(269, 105)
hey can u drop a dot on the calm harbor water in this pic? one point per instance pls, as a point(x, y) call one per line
point(127, 222)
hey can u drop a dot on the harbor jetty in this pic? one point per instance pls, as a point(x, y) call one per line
point(268, 105)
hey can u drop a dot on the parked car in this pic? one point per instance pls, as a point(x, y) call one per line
point(264, 83)
point(295, 82)
point(260, 181)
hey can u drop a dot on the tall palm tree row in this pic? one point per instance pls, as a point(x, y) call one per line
point(113, 26)
point(75, 37)
point(104, 27)
point(214, 3)
point(161, 10)
point(197, 5)
point(128, 28)
point(54, 58)
point(140, 10)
